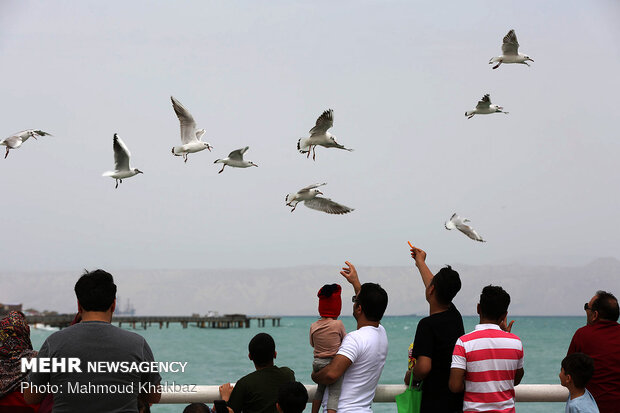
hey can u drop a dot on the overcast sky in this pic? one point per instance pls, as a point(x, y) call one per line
point(540, 184)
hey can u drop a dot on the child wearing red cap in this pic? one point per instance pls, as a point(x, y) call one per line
point(326, 334)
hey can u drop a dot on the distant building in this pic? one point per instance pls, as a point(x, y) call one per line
point(7, 308)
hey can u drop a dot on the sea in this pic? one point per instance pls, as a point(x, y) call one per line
point(217, 356)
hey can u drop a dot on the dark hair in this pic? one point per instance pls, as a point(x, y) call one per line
point(261, 348)
point(447, 284)
point(143, 407)
point(95, 290)
point(494, 302)
point(196, 408)
point(606, 305)
point(580, 367)
point(328, 289)
point(292, 397)
point(374, 301)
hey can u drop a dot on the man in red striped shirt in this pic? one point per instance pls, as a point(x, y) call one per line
point(488, 362)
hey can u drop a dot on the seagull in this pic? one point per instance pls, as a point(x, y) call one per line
point(510, 52)
point(320, 136)
point(235, 159)
point(460, 224)
point(121, 162)
point(15, 141)
point(190, 136)
point(484, 107)
point(310, 198)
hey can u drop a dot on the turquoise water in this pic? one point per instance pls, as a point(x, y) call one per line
point(219, 356)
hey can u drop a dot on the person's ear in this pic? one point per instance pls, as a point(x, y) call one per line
point(478, 308)
point(80, 309)
point(595, 316)
point(250, 356)
point(113, 306)
point(275, 354)
point(278, 408)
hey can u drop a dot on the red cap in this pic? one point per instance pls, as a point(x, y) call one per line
point(330, 302)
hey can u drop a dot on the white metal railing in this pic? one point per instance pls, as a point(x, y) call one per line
point(385, 393)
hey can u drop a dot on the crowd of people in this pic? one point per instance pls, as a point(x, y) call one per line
point(457, 372)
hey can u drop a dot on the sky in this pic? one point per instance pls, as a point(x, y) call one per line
point(539, 184)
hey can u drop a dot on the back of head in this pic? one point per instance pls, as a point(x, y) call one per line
point(196, 408)
point(96, 290)
point(330, 300)
point(374, 300)
point(292, 397)
point(580, 367)
point(447, 284)
point(143, 407)
point(15, 337)
point(262, 349)
point(494, 302)
point(606, 305)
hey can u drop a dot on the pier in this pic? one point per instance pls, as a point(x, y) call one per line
point(223, 321)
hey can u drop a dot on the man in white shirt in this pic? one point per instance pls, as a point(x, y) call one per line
point(363, 352)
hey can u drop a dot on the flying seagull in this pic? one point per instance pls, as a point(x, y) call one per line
point(15, 141)
point(310, 198)
point(460, 224)
point(320, 136)
point(510, 52)
point(484, 107)
point(190, 136)
point(235, 159)
point(121, 162)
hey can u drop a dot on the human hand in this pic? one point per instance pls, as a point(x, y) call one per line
point(417, 254)
point(225, 390)
point(503, 326)
point(350, 273)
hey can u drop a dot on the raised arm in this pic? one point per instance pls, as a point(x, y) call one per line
point(419, 256)
point(350, 273)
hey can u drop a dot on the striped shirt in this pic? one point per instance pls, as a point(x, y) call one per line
point(490, 358)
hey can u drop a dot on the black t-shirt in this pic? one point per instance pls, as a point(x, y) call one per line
point(435, 338)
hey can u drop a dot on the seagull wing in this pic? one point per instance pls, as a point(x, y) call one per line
point(484, 103)
point(188, 124)
point(327, 205)
point(309, 187)
point(469, 231)
point(323, 123)
point(41, 133)
point(450, 224)
point(121, 154)
point(238, 154)
point(510, 46)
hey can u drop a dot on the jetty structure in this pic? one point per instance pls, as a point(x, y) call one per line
point(209, 321)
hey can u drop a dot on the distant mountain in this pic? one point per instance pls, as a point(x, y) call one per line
point(534, 290)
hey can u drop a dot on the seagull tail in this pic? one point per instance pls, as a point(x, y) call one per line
point(302, 145)
point(108, 173)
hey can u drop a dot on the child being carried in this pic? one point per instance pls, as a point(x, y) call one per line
point(326, 334)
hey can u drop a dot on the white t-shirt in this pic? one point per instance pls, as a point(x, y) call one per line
point(367, 349)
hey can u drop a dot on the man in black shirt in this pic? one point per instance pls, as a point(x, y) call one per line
point(435, 338)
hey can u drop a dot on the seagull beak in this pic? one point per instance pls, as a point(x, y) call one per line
point(319, 192)
point(530, 59)
point(209, 147)
point(139, 171)
point(255, 165)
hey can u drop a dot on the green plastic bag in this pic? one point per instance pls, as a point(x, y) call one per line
point(410, 400)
